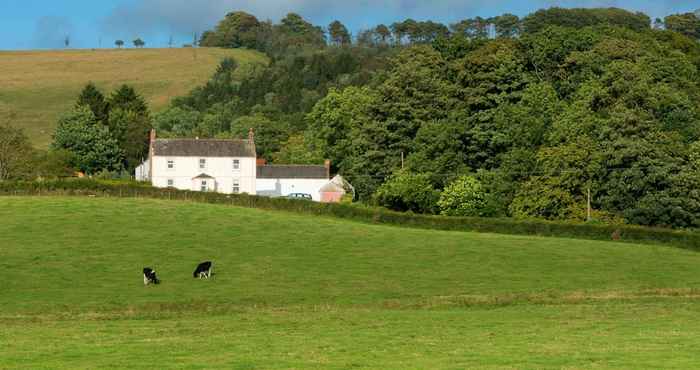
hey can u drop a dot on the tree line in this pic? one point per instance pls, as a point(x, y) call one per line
point(500, 117)
point(242, 30)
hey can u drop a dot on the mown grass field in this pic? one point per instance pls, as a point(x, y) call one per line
point(36, 87)
point(293, 291)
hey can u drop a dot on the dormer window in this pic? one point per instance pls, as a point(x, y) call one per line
point(171, 164)
point(202, 164)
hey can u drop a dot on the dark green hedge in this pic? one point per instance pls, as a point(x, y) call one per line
point(683, 239)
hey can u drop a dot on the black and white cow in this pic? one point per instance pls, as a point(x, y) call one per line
point(203, 270)
point(149, 276)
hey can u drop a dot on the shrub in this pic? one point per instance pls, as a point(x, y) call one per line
point(464, 197)
point(405, 191)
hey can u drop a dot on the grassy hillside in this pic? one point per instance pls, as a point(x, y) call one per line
point(312, 292)
point(36, 87)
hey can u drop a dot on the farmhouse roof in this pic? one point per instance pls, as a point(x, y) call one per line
point(292, 172)
point(203, 148)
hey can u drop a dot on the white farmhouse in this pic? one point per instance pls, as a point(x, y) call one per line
point(230, 167)
point(224, 166)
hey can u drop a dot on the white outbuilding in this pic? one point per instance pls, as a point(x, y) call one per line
point(284, 180)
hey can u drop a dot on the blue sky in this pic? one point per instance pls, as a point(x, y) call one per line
point(30, 24)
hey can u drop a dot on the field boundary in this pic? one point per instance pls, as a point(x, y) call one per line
point(622, 233)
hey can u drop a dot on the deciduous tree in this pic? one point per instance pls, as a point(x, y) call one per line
point(15, 154)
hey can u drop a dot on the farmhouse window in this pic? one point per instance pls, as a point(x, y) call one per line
point(236, 164)
point(204, 186)
point(171, 164)
point(171, 182)
point(236, 187)
point(202, 164)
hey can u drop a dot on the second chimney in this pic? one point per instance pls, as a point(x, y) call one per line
point(327, 164)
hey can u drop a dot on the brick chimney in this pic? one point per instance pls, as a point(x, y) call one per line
point(327, 164)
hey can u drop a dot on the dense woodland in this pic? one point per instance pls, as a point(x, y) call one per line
point(499, 117)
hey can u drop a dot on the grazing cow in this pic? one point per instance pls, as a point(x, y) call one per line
point(149, 276)
point(203, 270)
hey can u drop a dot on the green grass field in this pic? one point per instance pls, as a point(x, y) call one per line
point(293, 291)
point(36, 87)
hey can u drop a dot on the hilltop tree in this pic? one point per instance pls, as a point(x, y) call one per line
point(507, 25)
point(92, 97)
point(119, 43)
point(473, 28)
point(236, 30)
point(297, 31)
point(139, 43)
point(384, 33)
point(687, 24)
point(579, 18)
point(339, 34)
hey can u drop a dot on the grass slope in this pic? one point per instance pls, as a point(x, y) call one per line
point(36, 87)
point(312, 292)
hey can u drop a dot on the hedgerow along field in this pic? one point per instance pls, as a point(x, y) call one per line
point(292, 291)
point(36, 87)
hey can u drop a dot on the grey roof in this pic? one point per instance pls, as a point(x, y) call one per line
point(292, 172)
point(203, 148)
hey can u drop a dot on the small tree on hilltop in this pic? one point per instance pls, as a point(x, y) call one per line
point(139, 43)
point(119, 43)
point(339, 34)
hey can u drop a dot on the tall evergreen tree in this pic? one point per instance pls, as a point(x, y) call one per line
point(93, 98)
point(130, 121)
point(126, 98)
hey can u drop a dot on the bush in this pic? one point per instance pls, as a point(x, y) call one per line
point(682, 239)
point(464, 197)
point(405, 191)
